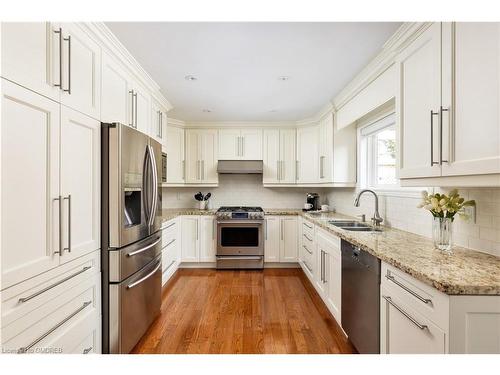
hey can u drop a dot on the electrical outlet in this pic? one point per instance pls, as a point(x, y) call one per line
point(470, 212)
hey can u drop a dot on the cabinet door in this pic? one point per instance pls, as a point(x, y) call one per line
point(175, 155)
point(288, 236)
point(272, 239)
point(116, 104)
point(208, 140)
point(321, 267)
point(419, 95)
point(207, 236)
point(80, 180)
point(307, 155)
point(81, 58)
point(30, 56)
point(399, 335)
point(471, 93)
point(229, 144)
point(326, 149)
point(287, 156)
point(190, 251)
point(251, 144)
point(271, 156)
point(334, 281)
point(142, 109)
point(192, 166)
point(30, 184)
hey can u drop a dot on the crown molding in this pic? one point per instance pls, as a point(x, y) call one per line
point(175, 122)
point(110, 43)
point(240, 124)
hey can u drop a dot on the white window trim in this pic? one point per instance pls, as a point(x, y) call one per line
point(365, 128)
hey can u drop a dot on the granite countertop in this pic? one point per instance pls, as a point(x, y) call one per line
point(463, 272)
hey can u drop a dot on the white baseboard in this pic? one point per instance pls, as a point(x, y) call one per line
point(212, 265)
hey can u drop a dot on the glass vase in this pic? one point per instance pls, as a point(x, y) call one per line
point(442, 233)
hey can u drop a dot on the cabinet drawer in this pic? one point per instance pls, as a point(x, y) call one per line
point(423, 298)
point(405, 331)
point(169, 256)
point(23, 298)
point(308, 227)
point(91, 333)
point(308, 268)
point(327, 239)
point(54, 325)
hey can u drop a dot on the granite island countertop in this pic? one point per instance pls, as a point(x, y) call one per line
point(463, 272)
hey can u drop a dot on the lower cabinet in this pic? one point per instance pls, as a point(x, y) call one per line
point(170, 243)
point(56, 312)
point(198, 238)
point(281, 244)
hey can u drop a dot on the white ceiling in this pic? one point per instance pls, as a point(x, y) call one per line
point(237, 65)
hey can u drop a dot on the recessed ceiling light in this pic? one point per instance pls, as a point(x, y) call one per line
point(206, 110)
point(273, 110)
point(283, 78)
point(190, 78)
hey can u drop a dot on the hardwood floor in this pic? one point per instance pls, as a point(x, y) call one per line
point(270, 311)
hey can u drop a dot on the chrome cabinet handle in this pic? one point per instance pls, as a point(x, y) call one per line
point(168, 226)
point(170, 243)
point(306, 236)
point(278, 170)
point(60, 58)
point(307, 266)
point(60, 251)
point(36, 341)
point(265, 229)
point(88, 350)
point(68, 90)
point(142, 279)
point(170, 265)
point(297, 173)
point(282, 169)
point(242, 146)
point(389, 277)
point(131, 92)
point(282, 229)
point(410, 318)
point(135, 97)
point(213, 229)
point(432, 138)
point(69, 223)
point(36, 294)
point(307, 225)
point(441, 110)
point(183, 170)
point(144, 248)
point(321, 268)
point(321, 167)
point(203, 169)
point(305, 247)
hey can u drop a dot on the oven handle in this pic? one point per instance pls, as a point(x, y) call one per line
point(239, 257)
point(232, 222)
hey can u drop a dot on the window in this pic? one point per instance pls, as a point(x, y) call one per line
point(378, 154)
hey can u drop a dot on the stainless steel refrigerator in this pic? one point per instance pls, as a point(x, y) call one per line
point(130, 235)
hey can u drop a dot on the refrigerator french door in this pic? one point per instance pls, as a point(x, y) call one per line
point(130, 235)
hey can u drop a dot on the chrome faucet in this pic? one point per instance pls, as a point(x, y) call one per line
point(376, 219)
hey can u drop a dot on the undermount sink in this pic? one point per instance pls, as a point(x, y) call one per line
point(354, 226)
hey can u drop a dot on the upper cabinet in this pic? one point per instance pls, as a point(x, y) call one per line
point(448, 105)
point(175, 155)
point(279, 156)
point(240, 144)
point(116, 104)
point(325, 130)
point(201, 156)
point(308, 159)
point(59, 61)
point(158, 122)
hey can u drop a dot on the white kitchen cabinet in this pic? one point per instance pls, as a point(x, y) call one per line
point(30, 56)
point(281, 242)
point(158, 122)
point(326, 149)
point(116, 103)
point(81, 71)
point(171, 245)
point(175, 155)
point(308, 160)
point(201, 156)
point(30, 184)
point(142, 108)
point(240, 144)
point(272, 239)
point(448, 105)
point(198, 238)
point(279, 156)
point(207, 235)
point(80, 183)
point(418, 102)
point(471, 98)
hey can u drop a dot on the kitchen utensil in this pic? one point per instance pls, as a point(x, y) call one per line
point(207, 197)
point(198, 196)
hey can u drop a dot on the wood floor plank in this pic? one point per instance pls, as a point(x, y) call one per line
point(242, 311)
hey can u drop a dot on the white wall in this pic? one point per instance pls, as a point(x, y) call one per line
point(401, 212)
point(239, 190)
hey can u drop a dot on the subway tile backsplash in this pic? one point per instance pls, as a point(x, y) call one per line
point(401, 212)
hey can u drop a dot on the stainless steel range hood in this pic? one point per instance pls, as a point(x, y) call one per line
point(240, 166)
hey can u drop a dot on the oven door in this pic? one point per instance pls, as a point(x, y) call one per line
point(240, 237)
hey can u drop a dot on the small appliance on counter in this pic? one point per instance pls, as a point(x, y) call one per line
point(312, 202)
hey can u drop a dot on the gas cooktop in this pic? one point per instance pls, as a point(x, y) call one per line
point(237, 212)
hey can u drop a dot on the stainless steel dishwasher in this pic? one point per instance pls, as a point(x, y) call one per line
point(361, 298)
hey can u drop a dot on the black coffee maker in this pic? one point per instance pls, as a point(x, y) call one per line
point(312, 201)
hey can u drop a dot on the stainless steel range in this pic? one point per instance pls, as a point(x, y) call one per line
point(240, 237)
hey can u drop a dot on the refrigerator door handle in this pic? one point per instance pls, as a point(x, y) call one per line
point(145, 184)
point(154, 182)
